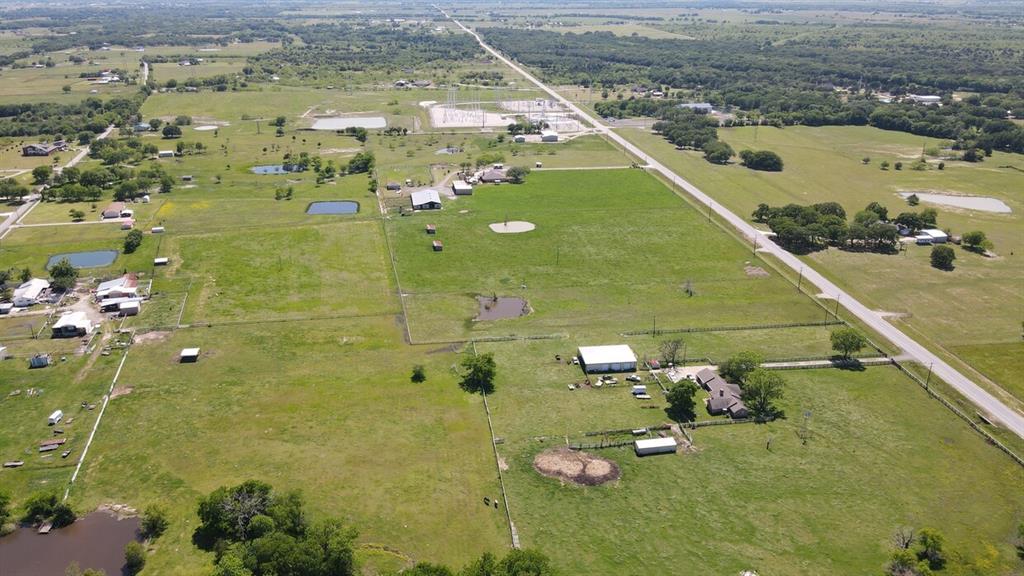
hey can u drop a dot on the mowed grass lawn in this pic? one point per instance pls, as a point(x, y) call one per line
point(881, 455)
point(323, 406)
point(964, 311)
point(612, 252)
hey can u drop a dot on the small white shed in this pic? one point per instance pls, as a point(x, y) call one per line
point(462, 188)
point(56, 417)
point(649, 446)
point(937, 236)
point(128, 308)
point(189, 355)
point(157, 230)
point(160, 261)
point(549, 136)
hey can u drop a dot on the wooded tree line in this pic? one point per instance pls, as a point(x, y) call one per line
point(791, 84)
point(47, 118)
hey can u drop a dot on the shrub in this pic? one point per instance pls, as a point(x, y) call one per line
point(154, 521)
point(764, 160)
point(943, 257)
point(134, 557)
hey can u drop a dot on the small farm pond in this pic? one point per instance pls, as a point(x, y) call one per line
point(979, 203)
point(501, 307)
point(333, 207)
point(90, 259)
point(96, 541)
point(273, 169)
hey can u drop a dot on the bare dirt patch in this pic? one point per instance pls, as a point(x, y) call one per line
point(580, 468)
point(512, 227)
point(154, 336)
point(755, 271)
point(121, 391)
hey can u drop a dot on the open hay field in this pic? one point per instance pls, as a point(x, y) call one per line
point(593, 262)
point(980, 303)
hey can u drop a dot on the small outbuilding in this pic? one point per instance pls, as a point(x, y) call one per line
point(113, 210)
point(937, 236)
point(614, 358)
point(548, 136)
point(129, 308)
point(127, 224)
point(55, 417)
point(162, 261)
point(6, 307)
point(71, 325)
point(393, 186)
point(29, 292)
point(462, 188)
point(650, 446)
point(437, 245)
point(426, 200)
point(519, 139)
point(189, 355)
point(39, 361)
point(165, 154)
point(157, 230)
point(186, 178)
point(431, 229)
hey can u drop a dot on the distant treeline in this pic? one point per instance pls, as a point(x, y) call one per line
point(91, 115)
point(794, 84)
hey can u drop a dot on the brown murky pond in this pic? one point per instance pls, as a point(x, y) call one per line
point(96, 541)
point(501, 307)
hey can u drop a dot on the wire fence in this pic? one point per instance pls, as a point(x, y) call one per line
point(660, 331)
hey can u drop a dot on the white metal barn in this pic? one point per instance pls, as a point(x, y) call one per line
point(71, 325)
point(615, 358)
point(937, 236)
point(28, 293)
point(462, 188)
point(649, 446)
point(426, 200)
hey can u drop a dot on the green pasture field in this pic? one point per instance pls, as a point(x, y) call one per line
point(978, 304)
point(593, 263)
point(324, 406)
point(879, 450)
point(46, 84)
point(12, 162)
point(162, 72)
point(31, 247)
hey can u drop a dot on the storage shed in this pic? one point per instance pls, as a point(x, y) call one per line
point(937, 236)
point(615, 358)
point(437, 245)
point(157, 230)
point(39, 361)
point(189, 355)
point(128, 308)
point(426, 200)
point(160, 261)
point(28, 293)
point(113, 210)
point(650, 446)
point(431, 229)
point(56, 417)
point(549, 136)
point(462, 188)
point(71, 325)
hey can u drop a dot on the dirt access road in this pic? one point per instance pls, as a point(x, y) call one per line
point(986, 402)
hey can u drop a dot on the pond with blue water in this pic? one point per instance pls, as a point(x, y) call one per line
point(90, 259)
point(333, 207)
point(272, 169)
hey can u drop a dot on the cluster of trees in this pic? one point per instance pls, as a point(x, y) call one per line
point(47, 507)
point(918, 553)
point(11, 190)
point(764, 160)
point(130, 150)
point(761, 389)
point(687, 129)
point(258, 531)
point(803, 229)
point(523, 126)
point(46, 118)
point(74, 185)
point(347, 47)
point(515, 563)
point(793, 82)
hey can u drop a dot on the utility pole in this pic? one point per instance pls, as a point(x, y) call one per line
point(800, 279)
point(836, 313)
point(929, 378)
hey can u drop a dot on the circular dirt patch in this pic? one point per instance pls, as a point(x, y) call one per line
point(579, 468)
point(512, 227)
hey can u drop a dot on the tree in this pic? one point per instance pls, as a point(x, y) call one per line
point(428, 569)
point(865, 160)
point(670, 350)
point(847, 341)
point(419, 374)
point(154, 521)
point(11, 190)
point(279, 121)
point(738, 366)
point(41, 174)
point(361, 163)
point(760, 392)
point(63, 275)
point(524, 563)
point(478, 373)
point(942, 257)
point(132, 241)
point(76, 215)
point(903, 563)
point(681, 402)
point(881, 211)
point(904, 537)
point(517, 174)
point(931, 542)
point(183, 120)
point(66, 88)
point(763, 213)
point(765, 160)
point(5, 509)
point(172, 131)
point(884, 165)
point(134, 557)
point(718, 152)
point(913, 200)
point(898, 165)
point(25, 275)
point(155, 123)
point(976, 241)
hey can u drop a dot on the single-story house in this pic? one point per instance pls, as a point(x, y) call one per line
point(614, 358)
point(923, 240)
point(28, 293)
point(393, 186)
point(124, 287)
point(937, 236)
point(113, 210)
point(494, 175)
point(72, 324)
point(723, 397)
point(462, 188)
point(649, 446)
point(698, 107)
point(548, 136)
point(929, 100)
point(189, 355)
point(426, 200)
point(44, 148)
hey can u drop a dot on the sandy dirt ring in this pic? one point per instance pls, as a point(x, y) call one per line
point(576, 467)
point(512, 227)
